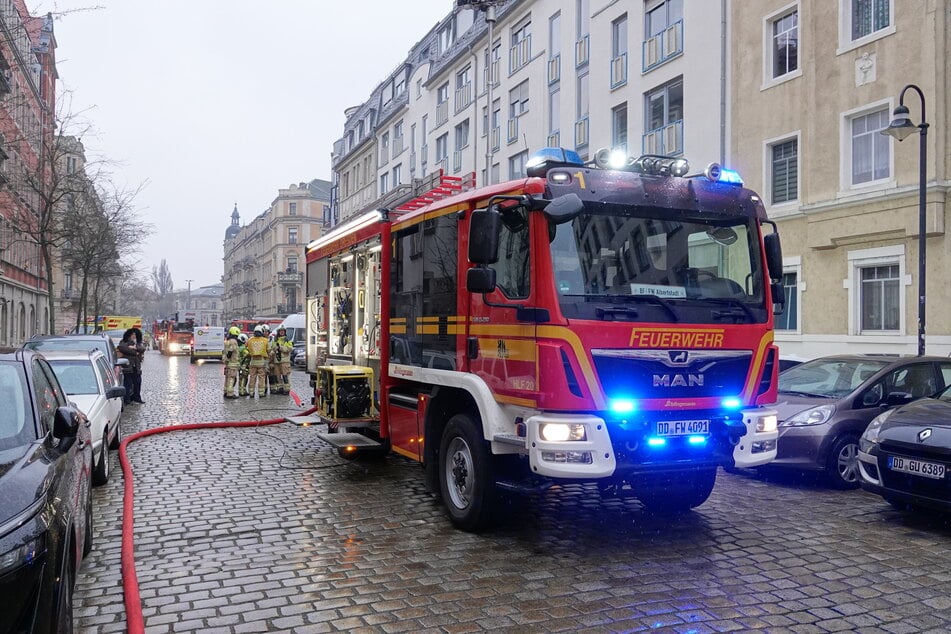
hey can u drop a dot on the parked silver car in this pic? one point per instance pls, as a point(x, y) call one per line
point(825, 405)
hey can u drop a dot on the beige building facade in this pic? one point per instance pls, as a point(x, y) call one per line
point(264, 260)
point(813, 84)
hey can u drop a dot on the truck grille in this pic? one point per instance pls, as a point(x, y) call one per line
point(671, 373)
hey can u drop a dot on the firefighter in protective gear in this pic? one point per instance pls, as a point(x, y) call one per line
point(231, 357)
point(257, 366)
point(281, 350)
point(243, 370)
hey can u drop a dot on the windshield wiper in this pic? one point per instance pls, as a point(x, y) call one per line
point(809, 394)
point(728, 301)
point(620, 299)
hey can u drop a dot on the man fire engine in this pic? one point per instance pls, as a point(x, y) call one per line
point(612, 326)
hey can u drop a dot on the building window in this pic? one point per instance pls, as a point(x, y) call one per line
point(517, 164)
point(384, 148)
point(442, 148)
point(784, 41)
point(663, 33)
point(397, 175)
point(292, 264)
point(397, 138)
point(463, 88)
point(442, 104)
point(619, 127)
point(871, 150)
point(869, 16)
point(384, 183)
point(292, 209)
point(518, 100)
point(875, 290)
point(554, 111)
point(784, 166)
point(619, 51)
point(554, 36)
point(521, 51)
point(462, 135)
point(880, 290)
point(292, 235)
point(447, 35)
point(70, 164)
point(789, 319)
point(664, 113)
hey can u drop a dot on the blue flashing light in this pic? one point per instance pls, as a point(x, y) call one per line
point(697, 440)
point(732, 402)
point(654, 441)
point(622, 405)
point(730, 176)
point(549, 157)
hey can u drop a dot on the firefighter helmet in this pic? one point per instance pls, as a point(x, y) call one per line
point(265, 329)
point(242, 338)
point(234, 331)
point(258, 331)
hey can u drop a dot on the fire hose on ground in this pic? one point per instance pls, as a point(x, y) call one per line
point(135, 623)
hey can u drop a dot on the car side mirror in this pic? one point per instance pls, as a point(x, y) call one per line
point(66, 423)
point(115, 392)
point(895, 399)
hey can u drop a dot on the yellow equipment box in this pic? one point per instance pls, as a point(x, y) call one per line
point(345, 391)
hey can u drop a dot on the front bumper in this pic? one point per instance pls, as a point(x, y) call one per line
point(759, 445)
point(902, 488)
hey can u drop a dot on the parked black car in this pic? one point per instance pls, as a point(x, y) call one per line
point(905, 454)
point(824, 406)
point(45, 496)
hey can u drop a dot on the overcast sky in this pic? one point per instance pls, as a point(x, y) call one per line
point(215, 102)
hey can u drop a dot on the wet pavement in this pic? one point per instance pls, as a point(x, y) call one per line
point(266, 529)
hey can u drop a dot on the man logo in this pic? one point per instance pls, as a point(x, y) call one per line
point(924, 434)
point(677, 356)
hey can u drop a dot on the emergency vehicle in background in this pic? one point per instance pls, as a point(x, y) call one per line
point(247, 325)
point(175, 337)
point(584, 324)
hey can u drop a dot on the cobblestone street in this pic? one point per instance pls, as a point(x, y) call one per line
point(268, 530)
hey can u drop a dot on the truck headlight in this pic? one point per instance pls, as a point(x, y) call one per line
point(812, 416)
point(561, 432)
point(766, 423)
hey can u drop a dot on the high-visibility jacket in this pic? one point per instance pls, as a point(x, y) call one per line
point(257, 350)
point(281, 349)
point(230, 355)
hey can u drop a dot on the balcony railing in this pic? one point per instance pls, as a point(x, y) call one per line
point(288, 309)
point(520, 54)
point(619, 70)
point(457, 161)
point(554, 69)
point(496, 138)
point(554, 139)
point(582, 50)
point(463, 96)
point(290, 278)
point(397, 145)
point(492, 74)
point(512, 130)
point(666, 44)
point(666, 141)
point(69, 293)
point(581, 132)
point(442, 113)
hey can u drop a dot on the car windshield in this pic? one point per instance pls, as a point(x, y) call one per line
point(69, 343)
point(642, 264)
point(830, 377)
point(77, 376)
point(16, 426)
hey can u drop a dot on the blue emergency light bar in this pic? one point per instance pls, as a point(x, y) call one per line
point(549, 157)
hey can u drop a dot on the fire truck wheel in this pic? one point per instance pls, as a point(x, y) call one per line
point(698, 489)
point(466, 478)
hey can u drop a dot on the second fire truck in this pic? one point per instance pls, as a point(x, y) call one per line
point(584, 324)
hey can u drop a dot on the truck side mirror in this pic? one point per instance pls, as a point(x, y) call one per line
point(480, 280)
point(485, 227)
point(774, 255)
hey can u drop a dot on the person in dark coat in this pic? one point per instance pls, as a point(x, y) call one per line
point(132, 347)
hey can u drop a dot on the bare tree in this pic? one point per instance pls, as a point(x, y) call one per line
point(163, 287)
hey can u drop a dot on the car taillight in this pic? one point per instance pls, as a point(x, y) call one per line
point(191, 341)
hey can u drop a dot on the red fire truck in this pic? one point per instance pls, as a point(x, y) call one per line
point(584, 324)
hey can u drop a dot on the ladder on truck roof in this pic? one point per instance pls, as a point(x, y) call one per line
point(434, 187)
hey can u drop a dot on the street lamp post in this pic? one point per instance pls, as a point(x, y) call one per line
point(188, 298)
point(901, 128)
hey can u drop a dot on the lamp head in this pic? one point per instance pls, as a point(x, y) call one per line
point(901, 126)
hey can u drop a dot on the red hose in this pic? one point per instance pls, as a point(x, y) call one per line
point(130, 582)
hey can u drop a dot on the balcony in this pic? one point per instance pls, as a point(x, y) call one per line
point(290, 278)
point(69, 293)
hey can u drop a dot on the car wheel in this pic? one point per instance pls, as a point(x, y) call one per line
point(843, 465)
point(100, 472)
point(117, 438)
point(64, 595)
point(466, 479)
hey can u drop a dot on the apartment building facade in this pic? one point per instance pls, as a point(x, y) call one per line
point(27, 127)
point(814, 83)
point(264, 260)
point(478, 97)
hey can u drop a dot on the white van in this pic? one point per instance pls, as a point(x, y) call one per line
point(296, 327)
point(208, 342)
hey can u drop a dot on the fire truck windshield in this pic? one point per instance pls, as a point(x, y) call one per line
point(619, 262)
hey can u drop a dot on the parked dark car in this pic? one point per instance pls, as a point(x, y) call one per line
point(905, 454)
point(824, 406)
point(299, 356)
point(45, 496)
point(97, 341)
